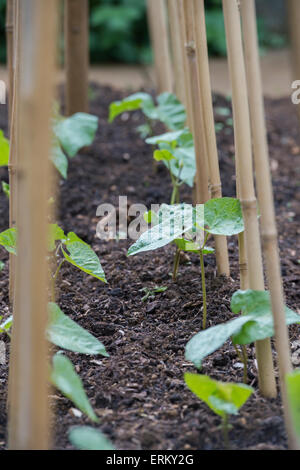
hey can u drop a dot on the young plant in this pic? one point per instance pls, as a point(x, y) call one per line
point(151, 292)
point(62, 331)
point(168, 110)
point(224, 399)
point(189, 229)
point(177, 152)
point(6, 189)
point(255, 323)
point(70, 248)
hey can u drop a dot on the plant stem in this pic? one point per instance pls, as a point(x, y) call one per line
point(203, 288)
point(245, 362)
point(53, 280)
point(225, 430)
point(174, 195)
point(176, 264)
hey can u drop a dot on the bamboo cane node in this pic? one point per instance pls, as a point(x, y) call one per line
point(243, 267)
point(12, 169)
point(269, 236)
point(216, 190)
point(249, 204)
point(9, 28)
point(190, 48)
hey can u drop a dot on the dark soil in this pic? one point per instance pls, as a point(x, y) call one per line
point(139, 392)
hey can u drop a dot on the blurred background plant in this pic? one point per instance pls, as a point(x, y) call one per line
point(119, 32)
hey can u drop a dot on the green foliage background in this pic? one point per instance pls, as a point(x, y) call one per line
point(119, 33)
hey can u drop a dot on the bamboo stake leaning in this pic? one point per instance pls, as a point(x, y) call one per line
point(13, 150)
point(10, 49)
point(177, 51)
point(293, 7)
point(158, 26)
point(76, 55)
point(209, 126)
point(28, 401)
point(187, 15)
point(266, 375)
point(266, 204)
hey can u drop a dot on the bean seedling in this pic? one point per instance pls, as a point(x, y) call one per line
point(223, 398)
point(255, 323)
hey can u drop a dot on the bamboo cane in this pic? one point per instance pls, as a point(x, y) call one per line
point(9, 48)
point(28, 403)
point(76, 55)
point(266, 204)
point(158, 26)
point(177, 51)
point(13, 151)
point(293, 7)
point(209, 126)
point(187, 15)
point(267, 382)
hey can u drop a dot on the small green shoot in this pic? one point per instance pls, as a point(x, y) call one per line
point(4, 150)
point(151, 292)
point(6, 189)
point(293, 391)
point(224, 399)
point(88, 438)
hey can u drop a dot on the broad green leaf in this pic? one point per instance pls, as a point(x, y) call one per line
point(183, 166)
point(8, 239)
point(170, 111)
point(55, 234)
point(59, 159)
point(6, 325)
point(256, 306)
point(81, 255)
point(168, 137)
point(173, 222)
point(208, 341)
point(255, 323)
point(64, 377)
point(65, 333)
point(1, 266)
point(293, 391)
point(4, 150)
point(223, 398)
point(76, 132)
point(87, 438)
point(223, 216)
point(6, 189)
point(131, 103)
point(164, 155)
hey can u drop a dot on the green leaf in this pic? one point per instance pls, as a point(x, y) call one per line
point(131, 103)
point(208, 341)
point(163, 155)
point(1, 266)
point(256, 306)
point(187, 245)
point(293, 391)
point(255, 323)
point(8, 239)
point(168, 137)
point(6, 189)
point(87, 438)
point(173, 222)
point(65, 333)
point(59, 159)
point(76, 132)
point(6, 325)
point(223, 216)
point(55, 234)
point(83, 257)
point(223, 398)
point(4, 150)
point(170, 111)
point(64, 377)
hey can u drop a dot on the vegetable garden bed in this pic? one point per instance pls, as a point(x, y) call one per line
point(139, 392)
